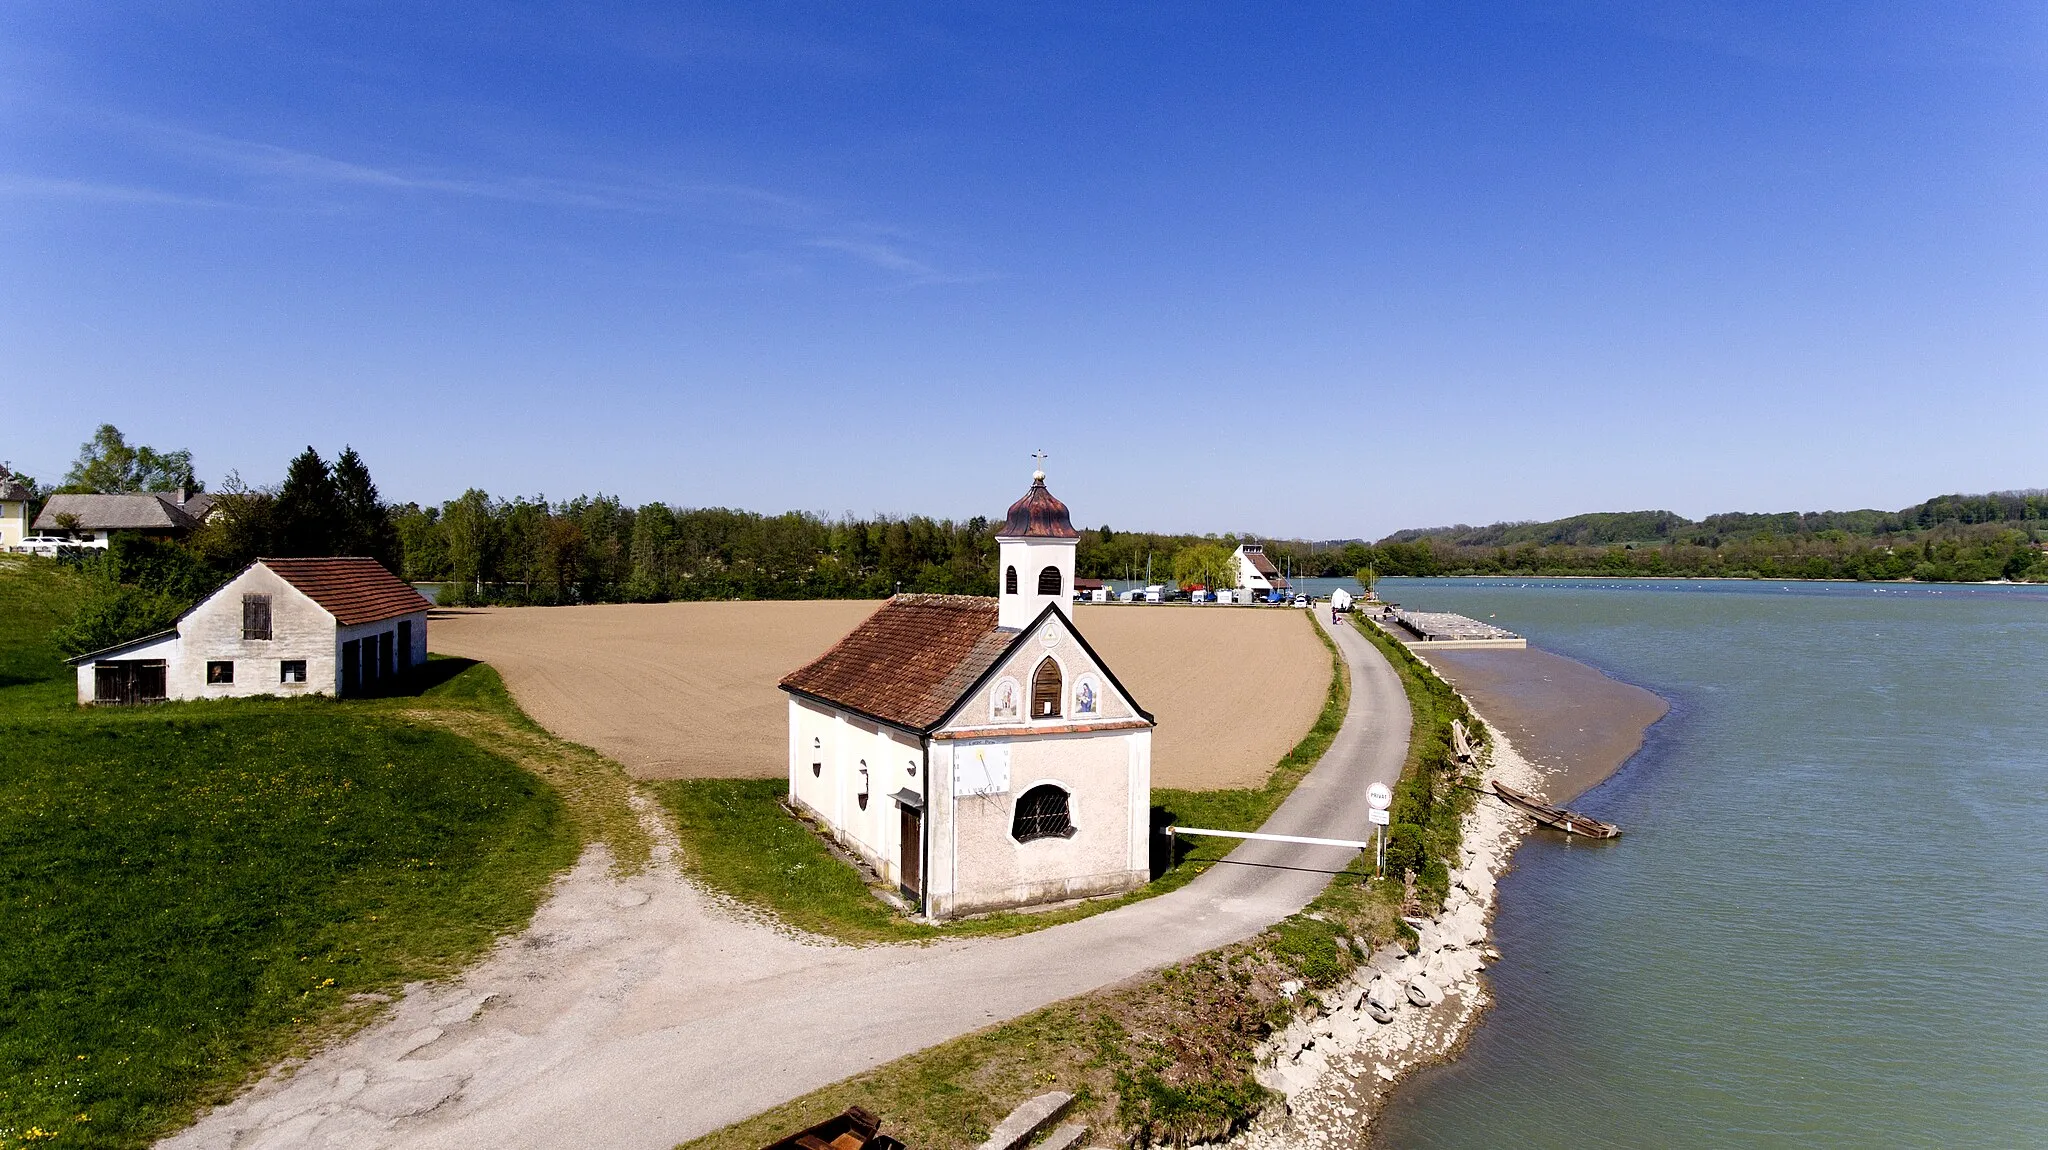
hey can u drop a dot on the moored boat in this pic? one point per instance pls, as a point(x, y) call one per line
point(1570, 822)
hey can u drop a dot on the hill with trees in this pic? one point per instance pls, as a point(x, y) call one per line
point(1948, 538)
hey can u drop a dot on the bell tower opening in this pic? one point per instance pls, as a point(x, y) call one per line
point(1038, 536)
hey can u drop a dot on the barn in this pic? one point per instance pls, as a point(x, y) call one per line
point(337, 626)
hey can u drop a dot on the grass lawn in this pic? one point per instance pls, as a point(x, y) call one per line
point(740, 840)
point(191, 891)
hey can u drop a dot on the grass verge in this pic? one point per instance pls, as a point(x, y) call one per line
point(1435, 791)
point(191, 892)
point(739, 839)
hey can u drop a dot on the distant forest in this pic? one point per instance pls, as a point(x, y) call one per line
point(1951, 538)
point(595, 548)
point(485, 549)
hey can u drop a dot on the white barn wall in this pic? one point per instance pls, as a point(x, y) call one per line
point(299, 628)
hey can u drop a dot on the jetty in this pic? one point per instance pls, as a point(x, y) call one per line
point(1440, 630)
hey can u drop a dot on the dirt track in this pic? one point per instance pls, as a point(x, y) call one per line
point(687, 690)
point(637, 1013)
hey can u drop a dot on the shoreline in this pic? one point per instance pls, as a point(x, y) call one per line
point(1336, 1071)
point(1576, 724)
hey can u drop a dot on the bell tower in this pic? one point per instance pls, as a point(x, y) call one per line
point(1035, 564)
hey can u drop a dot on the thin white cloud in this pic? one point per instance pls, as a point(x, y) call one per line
point(889, 257)
point(94, 191)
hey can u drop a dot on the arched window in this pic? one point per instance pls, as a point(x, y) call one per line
point(1046, 690)
point(1049, 581)
point(1042, 814)
point(1010, 581)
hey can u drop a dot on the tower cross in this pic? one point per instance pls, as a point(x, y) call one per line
point(1040, 457)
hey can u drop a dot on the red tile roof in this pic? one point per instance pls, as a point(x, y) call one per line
point(910, 661)
point(353, 590)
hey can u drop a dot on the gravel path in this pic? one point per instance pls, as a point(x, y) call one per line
point(639, 1013)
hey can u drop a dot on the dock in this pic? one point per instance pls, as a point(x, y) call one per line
point(1441, 630)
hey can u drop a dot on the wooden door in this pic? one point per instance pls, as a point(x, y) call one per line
point(911, 848)
point(351, 667)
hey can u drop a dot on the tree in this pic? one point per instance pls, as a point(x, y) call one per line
point(307, 518)
point(1366, 578)
point(106, 463)
point(1207, 564)
point(363, 524)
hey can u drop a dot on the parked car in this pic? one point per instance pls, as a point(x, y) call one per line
point(44, 545)
point(1301, 601)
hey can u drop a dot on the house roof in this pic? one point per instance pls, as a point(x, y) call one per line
point(1038, 515)
point(12, 490)
point(909, 662)
point(1256, 556)
point(150, 511)
point(352, 589)
point(913, 663)
point(103, 652)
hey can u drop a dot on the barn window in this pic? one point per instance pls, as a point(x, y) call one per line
point(1049, 581)
point(1010, 581)
point(862, 797)
point(818, 746)
point(255, 616)
point(220, 673)
point(1042, 814)
point(291, 671)
point(1045, 690)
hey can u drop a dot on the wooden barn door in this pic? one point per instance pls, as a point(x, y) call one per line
point(911, 850)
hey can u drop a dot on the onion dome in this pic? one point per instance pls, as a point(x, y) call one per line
point(1038, 515)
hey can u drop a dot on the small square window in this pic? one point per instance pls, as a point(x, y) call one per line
point(291, 671)
point(220, 673)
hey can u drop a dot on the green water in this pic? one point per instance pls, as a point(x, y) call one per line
point(1828, 922)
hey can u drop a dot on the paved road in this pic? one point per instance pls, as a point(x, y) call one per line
point(640, 1014)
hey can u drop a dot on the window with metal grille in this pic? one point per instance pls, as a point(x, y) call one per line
point(1042, 814)
point(1049, 581)
point(220, 673)
point(255, 616)
point(1046, 691)
point(291, 671)
point(1010, 581)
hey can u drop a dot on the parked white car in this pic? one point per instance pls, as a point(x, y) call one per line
point(44, 545)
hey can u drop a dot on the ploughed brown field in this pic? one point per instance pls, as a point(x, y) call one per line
point(687, 690)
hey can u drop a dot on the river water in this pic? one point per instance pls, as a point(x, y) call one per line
point(1827, 924)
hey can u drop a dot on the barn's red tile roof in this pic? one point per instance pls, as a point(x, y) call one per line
point(910, 661)
point(1038, 515)
point(353, 590)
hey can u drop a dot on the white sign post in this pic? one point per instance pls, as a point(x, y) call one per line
point(1379, 798)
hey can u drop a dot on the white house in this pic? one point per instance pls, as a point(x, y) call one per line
point(92, 520)
point(977, 752)
point(1256, 572)
point(14, 500)
point(281, 627)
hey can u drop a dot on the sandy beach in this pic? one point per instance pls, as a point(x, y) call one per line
point(687, 690)
point(1574, 724)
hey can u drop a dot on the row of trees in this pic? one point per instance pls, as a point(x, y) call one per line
point(1943, 554)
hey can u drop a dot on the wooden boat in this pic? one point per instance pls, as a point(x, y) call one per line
point(1570, 822)
point(856, 1129)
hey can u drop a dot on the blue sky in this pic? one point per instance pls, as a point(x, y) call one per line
point(1322, 271)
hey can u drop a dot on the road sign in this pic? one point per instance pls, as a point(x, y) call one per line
point(1380, 797)
point(1383, 818)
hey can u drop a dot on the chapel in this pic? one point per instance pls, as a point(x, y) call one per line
point(977, 752)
